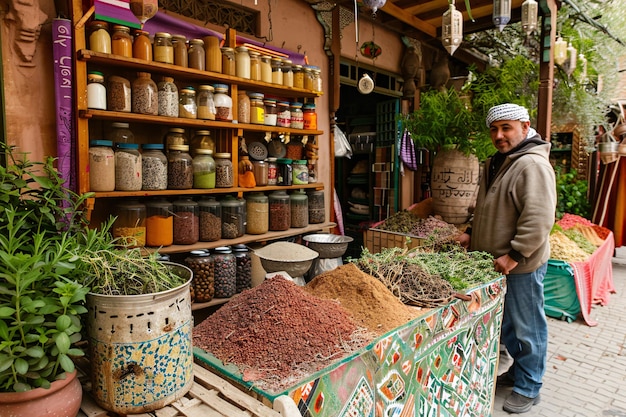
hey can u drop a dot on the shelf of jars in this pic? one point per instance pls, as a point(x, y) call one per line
point(203, 191)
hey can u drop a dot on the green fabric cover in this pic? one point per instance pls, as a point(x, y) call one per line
point(559, 289)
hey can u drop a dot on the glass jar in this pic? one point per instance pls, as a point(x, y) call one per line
point(294, 149)
point(271, 115)
point(154, 167)
point(298, 76)
point(205, 102)
point(257, 109)
point(145, 95)
point(99, 38)
point(246, 172)
point(280, 211)
point(203, 169)
point(255, 66)
point(225, 272)
point(316, 206)
point(257, 213)
point(121, 41)
point(202, 140)
point(285, 174)
point(224, 175)
point(142, 47)
point(96, 91)
point(203, 283)
point(266, 69)
point(167, 97)
point(128, 167)
point(242, 62)
point(317, 79)
point(101, 166)
point(309, 116)
point(129, 228)
point(308, 77)
point(244, 267)
point(277, 71)
point(181, 55)
point(272, 171)
point(210, 219)
point(299, 203)
point(197, 59)
point(118, 94)
point(228, 61)
point(212, 53)
point(283, 115)
point(223, 103)
point(243, 107)
point(159, 223)
point(175, 136)
point(233, 217)
point(300, 172)
point(187, 107)
point(179, 168)
point(186, 223)
point(297, 117)
point(287, 73)
point(260, 173)
point(121, 133)
point(163, 50)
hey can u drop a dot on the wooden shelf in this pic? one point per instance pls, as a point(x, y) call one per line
point(202, 191)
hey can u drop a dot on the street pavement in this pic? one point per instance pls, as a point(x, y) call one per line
point(586, 372)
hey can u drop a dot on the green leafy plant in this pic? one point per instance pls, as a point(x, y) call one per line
point(571, 194)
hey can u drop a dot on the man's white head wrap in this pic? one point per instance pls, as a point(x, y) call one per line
point(508, 111)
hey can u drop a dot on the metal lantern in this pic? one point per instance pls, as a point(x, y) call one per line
point(529, 16)
point(374, 5)
point(572, 55)
point(452, 29)
point(501, 13)
point(560, 51)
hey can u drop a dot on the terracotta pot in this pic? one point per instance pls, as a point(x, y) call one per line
point(62, 399)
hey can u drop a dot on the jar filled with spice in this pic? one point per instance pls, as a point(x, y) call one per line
point(224, 175)
point(96, 91)
point(159, 223)
point(260, 173)
point(128, 167)
point(181, 55)
point(283, 115)
point(210, 219)
point(121, 41)
point(266, 69)
point(163, 50)
point(285, 171)
point(205, 102)
point(308, 77)
point(316, 206)
point(300, 172)
point(297, 117)
point(197, 59)
point(257, 213)
point(179, 168)
point(154, 167)
point(244, 267)
point(99, 38)
point(298, 76)
point(299, 204)
point(272, 171)
point(145, 96)
point(129, 228)
point(187, 107)
point(118, 94)
point(186, 223)
point(203, 169)
point(287, 73)
point(246, 173)
point(212, 53)
point(175, 136)
point(142, 47)
point(280, 211)
point(243, 107)
point(310, 116)
point(121, 133)
point(203, 283)
point(295, 148)
point(202, 140)
point(223, 103)
point(255, 65)
point(228, 61)
point(225, 272)
point(257, 109)
point(233, 217)
point(242, 62)
point(271, 115)
point(277, 71)
point(317, 79)
point(168, 97)
point(101, 166)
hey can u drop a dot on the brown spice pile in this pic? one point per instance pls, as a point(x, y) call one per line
point(276, 333)
point(372, 305)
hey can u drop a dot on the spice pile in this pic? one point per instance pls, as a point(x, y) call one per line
point(574, 238)
point(406, 222)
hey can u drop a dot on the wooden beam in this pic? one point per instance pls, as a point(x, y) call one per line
point(548, 9)
point(393, 10)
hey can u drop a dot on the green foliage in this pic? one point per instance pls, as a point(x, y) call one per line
point(571, 194)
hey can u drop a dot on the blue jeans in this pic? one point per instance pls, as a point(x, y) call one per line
point(525, 330)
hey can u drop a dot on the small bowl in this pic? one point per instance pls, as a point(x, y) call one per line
point(328, 245)
point(294, 259)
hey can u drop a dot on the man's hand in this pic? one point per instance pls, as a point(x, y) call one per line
point(504, 264)
point(464, 240)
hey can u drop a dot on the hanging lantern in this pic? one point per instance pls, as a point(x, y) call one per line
point(583, 73)
point(452, 29)
point(144, 9)
point(529, 16)
point(374, 5)
point(370, 49)
point(571, 59)
point(501, 13)
point(560, 51)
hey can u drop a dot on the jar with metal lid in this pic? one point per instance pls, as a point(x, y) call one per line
point(181, 55)
point(121, 133)
point(243, 107)
point(163, 50)
point(118, 94)
point(210, 219)
point(285, 174)
point(316, 206)
point(272, 171)
point(187, 107)
point(121, 41)
point(299, 203)
point(295, 149)
point(167, 97)
point(101, 165)
point(257, 213)
point(277, 71)
point(309, 116)
point(159, 223)
point(271, 115)
point(246, 172)
point(128, 167)
point(280, 211)
point(224, 175)
point(175, 136)
point(186, 221)
point(297, 117)
point(287, 73)
point(179, 168)
point(142, 47)
point(223, 103)
point(283, 115)
point(96, 91)
point(257, 109)
point(233, 217)
point(154, 167)
point(260, 173)
point(202, 140)
point(203, 283)
point(197, 59)
point(228, 61)
point(242, 62)
point(212, 53)
point(225, 272)
point(203, 169)
point(317, 79)
point(145, 95)
point(255, 65)
point(99, 38)
point(205, 102)
point(244, 267)
point(300, 172)
point(298, 76)
point(129, 228)
point(308, 77)
point(266, 69)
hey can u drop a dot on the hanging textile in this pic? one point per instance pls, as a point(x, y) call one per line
point(610, 204)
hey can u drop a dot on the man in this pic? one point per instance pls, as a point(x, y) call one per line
point(514, 214)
